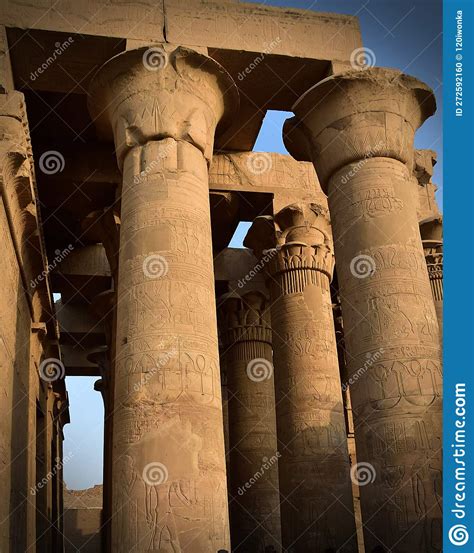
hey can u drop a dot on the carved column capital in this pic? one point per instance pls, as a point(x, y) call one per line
point(357, 115)
point(156, 93)
point(432, 239)
point(361, 127)
point(295, 248)
point(161, 106)
point(423, 168)
point(296, 240)
point(245, 318)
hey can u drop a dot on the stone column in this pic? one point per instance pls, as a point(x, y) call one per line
point(103, 226)
point(254, 502)
point(361, 126)
point(316, 503)
point(432, 238)
point(169, 483)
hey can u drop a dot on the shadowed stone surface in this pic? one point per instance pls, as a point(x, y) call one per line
point(360, 126)
point(152, 172)
point(169, 486)
point(316, 508)
point(247, 355)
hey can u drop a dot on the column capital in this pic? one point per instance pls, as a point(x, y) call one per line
point(297, 238)
point(425, 160)
point(245, 318)
point(431, 231)
point(161, 92)
point(357, 115)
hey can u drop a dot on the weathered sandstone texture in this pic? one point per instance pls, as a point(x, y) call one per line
point(315, 487)
point(169, 484)
point(360, 126)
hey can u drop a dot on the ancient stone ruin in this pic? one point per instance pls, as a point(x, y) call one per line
point(283, 397)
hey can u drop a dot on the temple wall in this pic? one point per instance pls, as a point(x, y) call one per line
point(29, 405)
point(82, 527)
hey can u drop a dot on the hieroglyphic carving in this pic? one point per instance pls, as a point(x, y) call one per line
point(363, 153)
point(432, 238)
point(169, 476)
point(247, 353)
point(310, 418)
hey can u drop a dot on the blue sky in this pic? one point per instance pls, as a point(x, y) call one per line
point(403, 34)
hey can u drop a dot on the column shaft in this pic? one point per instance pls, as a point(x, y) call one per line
point(389, 318)
point(254, 499)
point(434, 262)
point(161, 106)
point(169, 477)
point(316, 502)
point(317, 511)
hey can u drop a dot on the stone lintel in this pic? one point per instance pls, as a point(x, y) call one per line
point(84, 273)
point(286, 179)
point(78, 324)
point(75, 360)
point(290, 32)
